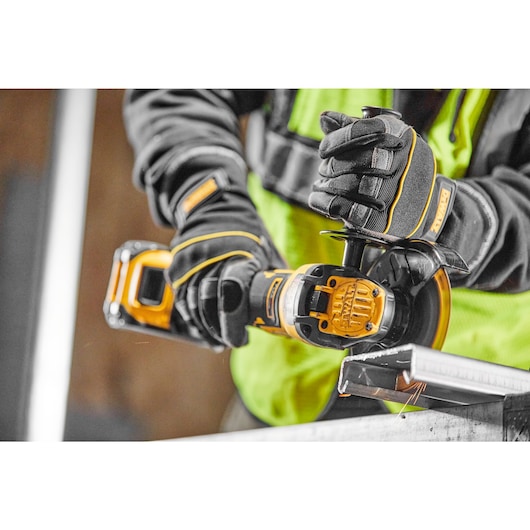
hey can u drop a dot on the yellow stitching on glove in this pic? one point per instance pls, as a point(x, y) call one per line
point(215, 235)
point(400, 191)
point(427, 203)
point(177, 283)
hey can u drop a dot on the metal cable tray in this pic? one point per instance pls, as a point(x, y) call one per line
point(427, 378)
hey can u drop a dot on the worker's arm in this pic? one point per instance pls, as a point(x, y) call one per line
point(189, 160)
point(176, 133)
point(489, 227)
point(488, 223)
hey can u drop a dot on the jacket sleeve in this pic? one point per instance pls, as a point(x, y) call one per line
point(490, 228)
point(176, 134)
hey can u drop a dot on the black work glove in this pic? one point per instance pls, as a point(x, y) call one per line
point(378, 173)
point(221, 245)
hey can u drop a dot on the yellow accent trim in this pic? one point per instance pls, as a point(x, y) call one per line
point(444, 310)
point(177, 283)
point(215, 235)
point(197, 196)
point(270, 298)
point(443, 203)
point(400, 190)
point(428, 201)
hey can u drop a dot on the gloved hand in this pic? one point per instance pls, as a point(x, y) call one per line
point(220, 246)
point(378, 173)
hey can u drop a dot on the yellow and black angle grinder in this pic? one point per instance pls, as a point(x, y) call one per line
point(400, 296)
point(403, 297)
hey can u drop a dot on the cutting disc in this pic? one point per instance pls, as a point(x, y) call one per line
point(423, 296)
point(430, 313)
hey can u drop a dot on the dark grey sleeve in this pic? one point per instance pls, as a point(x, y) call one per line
point(176, 134)
point(490, 228)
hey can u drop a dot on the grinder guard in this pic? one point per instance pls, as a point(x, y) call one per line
point(415, 271)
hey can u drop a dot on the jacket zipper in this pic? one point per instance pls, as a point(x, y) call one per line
point(459, 103)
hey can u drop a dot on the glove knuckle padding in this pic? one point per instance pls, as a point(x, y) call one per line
point(376, 173)
point(233, 289)
point(198, 253)
point(331, 121)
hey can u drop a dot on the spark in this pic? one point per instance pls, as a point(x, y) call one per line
point(418, 388)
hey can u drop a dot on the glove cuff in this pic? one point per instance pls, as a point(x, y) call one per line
point(202, 189)
point(438, 209)
point(471, 229)
point(228, 169)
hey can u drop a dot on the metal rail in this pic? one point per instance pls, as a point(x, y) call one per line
point(429, 378)
point(70, 169)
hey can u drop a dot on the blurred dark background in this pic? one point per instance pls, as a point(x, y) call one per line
point(123, 385)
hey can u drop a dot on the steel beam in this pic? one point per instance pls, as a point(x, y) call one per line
point(506, 420)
